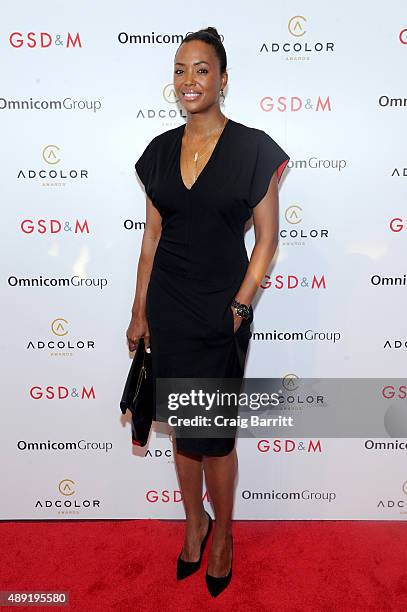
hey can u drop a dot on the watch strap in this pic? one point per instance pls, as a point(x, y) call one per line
point(242, 310)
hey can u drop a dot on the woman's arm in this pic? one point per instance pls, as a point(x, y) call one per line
point(265, 217)
point(138, 325)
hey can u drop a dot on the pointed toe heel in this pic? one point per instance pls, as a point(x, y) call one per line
point(187, 568)
point(216, 585)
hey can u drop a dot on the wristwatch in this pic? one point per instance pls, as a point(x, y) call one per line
point(242, 310)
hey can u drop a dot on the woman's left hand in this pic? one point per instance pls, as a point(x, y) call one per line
point(237, 321)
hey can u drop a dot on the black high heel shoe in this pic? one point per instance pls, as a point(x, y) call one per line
point(187, 568)
point(217, 585)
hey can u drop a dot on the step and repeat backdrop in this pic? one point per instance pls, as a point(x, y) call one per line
point(84, 88)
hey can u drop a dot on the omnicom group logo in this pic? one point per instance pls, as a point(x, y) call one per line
point(35, 446)
point(53, 281)
point(61, 104)
point(153, 38)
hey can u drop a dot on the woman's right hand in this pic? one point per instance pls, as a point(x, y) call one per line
point(137, 329)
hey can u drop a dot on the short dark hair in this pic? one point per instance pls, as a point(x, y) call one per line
point(211, 36)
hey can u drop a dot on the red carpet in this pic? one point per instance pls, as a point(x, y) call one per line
point(278, 565)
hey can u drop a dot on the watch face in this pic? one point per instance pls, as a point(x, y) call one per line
point(243, 311)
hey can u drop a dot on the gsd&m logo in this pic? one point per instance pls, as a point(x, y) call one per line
point(397, 225)
point(293, 282)
point(60, 392)
point(54, 226)
point(285, 446)
point(44, 40)
point(403, 36)
point(295, 104)
point(166, 496)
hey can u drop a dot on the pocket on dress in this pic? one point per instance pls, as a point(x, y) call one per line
point(251, 315)
point(246, 323)
point(231, 321)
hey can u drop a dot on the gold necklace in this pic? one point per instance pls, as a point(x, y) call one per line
point(197, 153)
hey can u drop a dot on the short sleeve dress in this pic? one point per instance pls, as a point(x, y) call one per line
point(201, 258)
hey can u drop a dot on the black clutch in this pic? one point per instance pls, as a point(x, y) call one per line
point(138, 395)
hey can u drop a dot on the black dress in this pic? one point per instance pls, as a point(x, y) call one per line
point(201, 258)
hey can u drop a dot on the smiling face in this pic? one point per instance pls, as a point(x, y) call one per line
point(197, 78)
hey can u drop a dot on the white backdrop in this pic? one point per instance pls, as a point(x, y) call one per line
point(78, 104)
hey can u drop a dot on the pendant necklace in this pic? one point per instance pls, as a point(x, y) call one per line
point(199, 152)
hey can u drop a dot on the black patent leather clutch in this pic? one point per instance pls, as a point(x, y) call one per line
point(138, 395)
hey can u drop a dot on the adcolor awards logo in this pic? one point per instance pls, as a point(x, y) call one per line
point(59, 344)
point(169, 94)
point(395, 344)
point(297, 234)
point(396, 504)
point(400, 172)
point(170, 114)
point(52, 174)
point(299, 47)
point(68, 502)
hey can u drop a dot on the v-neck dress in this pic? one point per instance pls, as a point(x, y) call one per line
point(201, 258)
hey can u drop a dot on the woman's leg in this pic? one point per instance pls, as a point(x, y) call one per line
point(190, 477)
point(220, 475)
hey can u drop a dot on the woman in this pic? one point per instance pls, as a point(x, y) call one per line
point(195, 284)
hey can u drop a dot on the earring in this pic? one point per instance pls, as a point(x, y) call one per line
point(223, 95)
